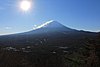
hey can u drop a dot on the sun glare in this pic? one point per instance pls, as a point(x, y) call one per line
point(25, 5)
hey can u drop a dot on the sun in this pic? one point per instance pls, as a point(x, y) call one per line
point(25, 5)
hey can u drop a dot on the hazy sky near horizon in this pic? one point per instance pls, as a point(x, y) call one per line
point(77, 14)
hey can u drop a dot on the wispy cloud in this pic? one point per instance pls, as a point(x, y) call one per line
point(8, 28)
point(35, 26)
point(6, 5)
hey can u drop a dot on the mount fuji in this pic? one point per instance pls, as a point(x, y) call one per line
point(50, 27)
point(49, 33)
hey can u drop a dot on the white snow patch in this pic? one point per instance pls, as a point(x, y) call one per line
point(44, 25)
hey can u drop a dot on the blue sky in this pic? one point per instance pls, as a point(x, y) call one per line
point(77, 14)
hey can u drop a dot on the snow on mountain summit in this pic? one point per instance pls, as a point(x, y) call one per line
point(53, 25)
point(46, 24)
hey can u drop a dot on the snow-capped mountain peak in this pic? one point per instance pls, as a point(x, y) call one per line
point(45, 24)
point(53, 25)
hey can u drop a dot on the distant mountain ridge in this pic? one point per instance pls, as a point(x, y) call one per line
point(49, 33)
